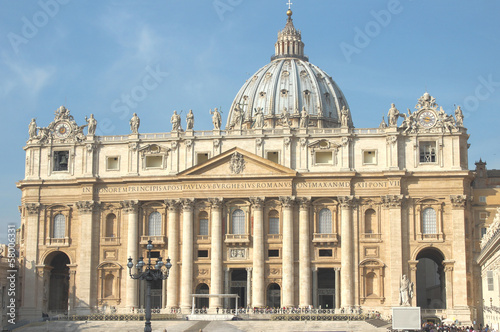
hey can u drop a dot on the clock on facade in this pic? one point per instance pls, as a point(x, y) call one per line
point(427, 119)
point(62, 129)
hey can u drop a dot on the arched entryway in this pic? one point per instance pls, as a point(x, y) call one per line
point(58, 282)
point(200, 301)
point(274, 296)
point(431, 283)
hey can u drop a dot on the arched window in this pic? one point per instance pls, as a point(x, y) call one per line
point(370, 221)
point(203, 217)
point(154, 225)
point(325, 221)
point(59, 229)
point(429, 224)
point(108, 285)
point(274, 222)
point(238, 221)
point(110, 225)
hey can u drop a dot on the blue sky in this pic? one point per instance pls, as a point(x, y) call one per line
point(89, 55)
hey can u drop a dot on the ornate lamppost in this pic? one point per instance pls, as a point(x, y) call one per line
point(149, 272)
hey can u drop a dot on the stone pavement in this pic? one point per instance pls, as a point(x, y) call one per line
point(196, 326)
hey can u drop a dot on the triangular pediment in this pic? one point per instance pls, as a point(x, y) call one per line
point(239, 163)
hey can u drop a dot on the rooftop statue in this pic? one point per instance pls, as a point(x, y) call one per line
point(92, 124)
point(304, 118)
point(393, 116)
point(135, 122)
point(259, 118)
point(459, 116)
point(32, 129)
point(190, 120)
point(175, 120)
point(216, 118)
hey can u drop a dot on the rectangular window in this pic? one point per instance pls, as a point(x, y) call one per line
point(489, 276)
point(155, 254)
point(482, 199)
point(273, 253)
point(61, 160)
point(273, 156)
point(427, 152)
point(324, 157)
point(483, 215)
point(203, 226)
point(203, 253)
point(201, 158)
point(113, 163)
point(274, 225)
point(483, 232)
point(325, 253)
point(369, 157)
point(154, 161)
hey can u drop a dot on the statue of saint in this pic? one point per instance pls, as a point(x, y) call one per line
point(259, 118)
point(32, 130)
point(237, 117)
point(175, 120)
point(344, 117)
point(405, 291)
point(285, 118)
point(92, 124)
point(135, 122)
point(190, 120)
point(459, 116)
point(304, 118)
point(393, 116)
point(216, 118)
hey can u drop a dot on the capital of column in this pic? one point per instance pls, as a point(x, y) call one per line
point(257, 202)
point(413, 265)
point(287, 201)
point(187, 203)
point(129, 206)
point(86, 206)
point(304, 202)
point(458, 201)
point(337, 269)
point(448, 265)
point(249, 269)
point(172, 204)
point(216, 203)
point(347, 202)
point(32, 208)
point(392, 201)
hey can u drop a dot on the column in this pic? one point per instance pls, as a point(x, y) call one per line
point(173, 253)
point(227, 281)
point(287, 257)
point(187, 253)
point(304, 254)
point(249, 287)
point(29, 309)
point(459, 272)
point(413, 279)
point(72, 288)
point(448, 270)
point(315, 286)
point(337, 288)
point(258, 292)
point(216, 256)
point(87, 278)
point(393, 205)
point(347, 255)
point(130, 208)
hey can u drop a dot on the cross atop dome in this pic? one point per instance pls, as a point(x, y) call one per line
point(290, 3)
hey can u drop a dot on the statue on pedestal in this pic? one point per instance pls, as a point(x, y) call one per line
point(304, 118)
point(393, 116)
point(259, 118)
point(134, 124)
point(405, 291)
point(216, 118)
point(175, 120)
point(190, 120)
point(32, 129)
point(92, 124)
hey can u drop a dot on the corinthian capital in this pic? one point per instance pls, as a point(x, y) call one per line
point(257, 202)
point(392, 201)
point(85, 206)
point(32, 208)
point(304, 202)
point(187, 203)
point(129, 206)
point(172, 204)
point(458, 201)
point(347, 202)
point(287, 201)
point(216, 203)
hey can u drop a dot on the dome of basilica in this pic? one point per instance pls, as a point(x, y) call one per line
point(288, 89)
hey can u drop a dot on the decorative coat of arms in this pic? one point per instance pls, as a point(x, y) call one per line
point(237, 164)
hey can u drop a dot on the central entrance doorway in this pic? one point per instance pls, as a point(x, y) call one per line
point(238, 286)
point(58, 283)
point(326, 288)
point(274, 296)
